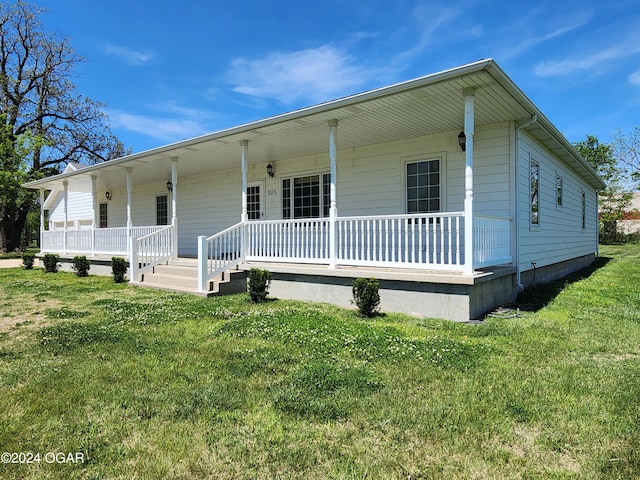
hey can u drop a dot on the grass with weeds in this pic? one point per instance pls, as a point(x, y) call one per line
point(148, 384)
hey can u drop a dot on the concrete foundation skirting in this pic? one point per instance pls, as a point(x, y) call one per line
point(555, 271)
point(421, 299)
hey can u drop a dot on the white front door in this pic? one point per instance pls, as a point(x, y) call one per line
point(255, 206)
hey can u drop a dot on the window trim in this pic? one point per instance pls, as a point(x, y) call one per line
point(443, 169)
point(158, 195)
point(532, 225)
point(322, 207)
point(583, 201)
point(559, 191)
point(106, 215)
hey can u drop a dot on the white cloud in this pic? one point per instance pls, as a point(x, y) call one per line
point(527, 42)
point(130, 56)
point(163, 129)
point(428, 20)
point(315, 74)
point(635, 78)
point(595, 61)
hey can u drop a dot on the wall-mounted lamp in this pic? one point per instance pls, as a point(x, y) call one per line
point(107, 195)
point(169, 186)
point(462, 141)
point(270, 170)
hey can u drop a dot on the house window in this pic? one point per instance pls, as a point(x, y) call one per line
point(162, 210)
point(103, 215)
point(558, 191)
point(535, 192)
point(423, 186)
point(302, 197)
point(253, 202)
point(584, 211)
point(45, 219)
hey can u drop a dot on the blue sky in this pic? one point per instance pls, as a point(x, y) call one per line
point(172, 70)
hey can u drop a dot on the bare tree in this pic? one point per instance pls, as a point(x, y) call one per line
point(627, 151)
point(41, 108)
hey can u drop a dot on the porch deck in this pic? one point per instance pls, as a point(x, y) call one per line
point(384, 273)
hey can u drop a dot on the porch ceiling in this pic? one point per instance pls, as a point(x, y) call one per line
point(425, 106)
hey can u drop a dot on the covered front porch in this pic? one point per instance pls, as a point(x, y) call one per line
point(362, 211)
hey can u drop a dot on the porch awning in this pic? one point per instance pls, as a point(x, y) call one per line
point(424, 106)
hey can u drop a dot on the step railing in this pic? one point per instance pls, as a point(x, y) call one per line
point(220, 252)
point(150, 250)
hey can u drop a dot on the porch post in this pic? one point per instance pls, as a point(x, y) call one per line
point(245, 152)
point(94, 222)
point(244, 217)
point(333, 206)
point(41, 245)
point(469, 130)
point(66, 215)
point(129, 221)
point(174, 204)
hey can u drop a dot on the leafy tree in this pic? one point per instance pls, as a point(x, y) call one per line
point(614, 200)
point(45, 123)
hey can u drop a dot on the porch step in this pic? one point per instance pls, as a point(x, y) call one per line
point(181, 275)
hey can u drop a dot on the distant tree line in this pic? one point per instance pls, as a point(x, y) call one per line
point(618, 164)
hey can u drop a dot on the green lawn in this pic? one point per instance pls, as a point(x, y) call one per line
point(149, 385)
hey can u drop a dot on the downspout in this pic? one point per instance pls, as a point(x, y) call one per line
point(531, 121)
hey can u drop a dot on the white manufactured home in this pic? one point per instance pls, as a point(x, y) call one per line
point(452, 189)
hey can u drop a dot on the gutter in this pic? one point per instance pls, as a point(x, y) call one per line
point(525, 124)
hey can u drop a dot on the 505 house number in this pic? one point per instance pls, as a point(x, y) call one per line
point(272, 192)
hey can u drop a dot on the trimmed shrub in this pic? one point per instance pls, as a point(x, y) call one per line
point(50, 261)
point(118, 269)
point(81, 266)
point(259, 281)
point(366, 296)
point(27, 260)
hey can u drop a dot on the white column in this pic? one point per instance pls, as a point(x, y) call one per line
point(66, 214)
point(129, 220)
point(469, 130)
point(94, 222)
point(42, 220)
point(245, 154)
point(333, 206)
point(174, 204)
point(244, 217)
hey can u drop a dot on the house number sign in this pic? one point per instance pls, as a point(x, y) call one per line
point(272, 192)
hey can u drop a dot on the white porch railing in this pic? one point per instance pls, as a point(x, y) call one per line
point(300, 241)
point(150, 250)
point(219, 252)
point(404, 241)
point(419, 241)
point(102, 241)
point(491, 241)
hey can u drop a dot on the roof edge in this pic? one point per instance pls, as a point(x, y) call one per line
point(483, 64)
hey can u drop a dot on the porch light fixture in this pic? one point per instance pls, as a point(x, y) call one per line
point(462, 141)
point(169, 186)
point(270, 170)
point(107, 195)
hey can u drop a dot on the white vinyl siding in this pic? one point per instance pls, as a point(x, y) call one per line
point(79, 210)
point(560, 235)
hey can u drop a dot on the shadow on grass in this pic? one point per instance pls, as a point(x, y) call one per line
point(533, 298)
